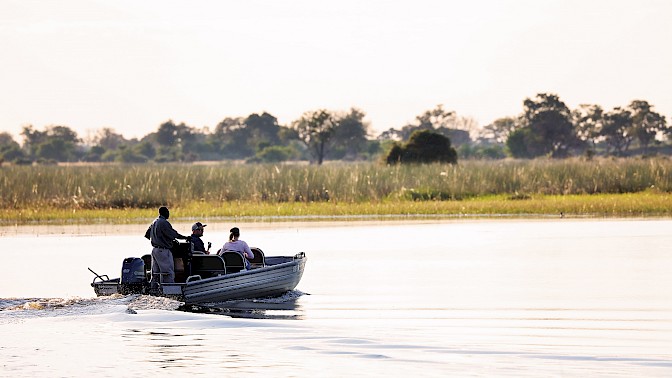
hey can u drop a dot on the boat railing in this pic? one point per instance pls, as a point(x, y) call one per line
point(259, 260)
point(99, 277)
point(234, 261)
point(195, 277)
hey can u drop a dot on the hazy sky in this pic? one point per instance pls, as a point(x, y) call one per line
point(131, 65)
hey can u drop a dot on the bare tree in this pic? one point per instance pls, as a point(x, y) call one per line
point(316, 129)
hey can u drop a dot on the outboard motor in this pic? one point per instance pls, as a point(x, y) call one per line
point(132, 276)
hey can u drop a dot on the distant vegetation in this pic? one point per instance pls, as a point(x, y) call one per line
point(545, 128)
point(224, 185)
point(423, 146)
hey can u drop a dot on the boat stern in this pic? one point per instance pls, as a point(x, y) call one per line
point(104, 288)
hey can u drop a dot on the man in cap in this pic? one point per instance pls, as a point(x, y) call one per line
point(161, 234)
point(196, 234)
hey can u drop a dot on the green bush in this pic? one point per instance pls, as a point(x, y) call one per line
point(423, 147)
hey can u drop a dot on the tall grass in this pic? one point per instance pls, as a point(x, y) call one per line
point(148, 186)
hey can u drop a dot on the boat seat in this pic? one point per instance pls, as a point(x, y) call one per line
point(180, 249)
point(259, 260)
point(207, 265)
point(234, 261)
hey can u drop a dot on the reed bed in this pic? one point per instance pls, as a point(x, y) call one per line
point(216, 186)
point(643, 204)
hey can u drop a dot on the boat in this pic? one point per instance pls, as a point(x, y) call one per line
point(203, 278)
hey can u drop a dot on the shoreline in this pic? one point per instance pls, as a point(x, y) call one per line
point(645, 204)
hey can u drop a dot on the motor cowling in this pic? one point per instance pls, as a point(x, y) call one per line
point(132, 275)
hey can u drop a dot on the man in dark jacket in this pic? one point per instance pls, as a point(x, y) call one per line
point(196, 234)
point(161, 235)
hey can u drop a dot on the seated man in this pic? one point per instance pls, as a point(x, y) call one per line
point(196, 234)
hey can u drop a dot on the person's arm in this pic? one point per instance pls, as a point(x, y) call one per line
point(180, 236)
point(172, 234)
point(248, 251)
point(148, 234)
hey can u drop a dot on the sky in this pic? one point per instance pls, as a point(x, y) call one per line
point(131, 65)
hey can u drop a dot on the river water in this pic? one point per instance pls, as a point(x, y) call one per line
point(552, 297)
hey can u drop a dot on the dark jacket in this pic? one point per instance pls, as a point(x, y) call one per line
point(161, 233)
point(198, 243)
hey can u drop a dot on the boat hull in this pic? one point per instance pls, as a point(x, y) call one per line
point(279, 275)
point(272, 280)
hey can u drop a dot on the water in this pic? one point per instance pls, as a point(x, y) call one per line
point(516, 298)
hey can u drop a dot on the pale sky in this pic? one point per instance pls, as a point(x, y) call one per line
point(133, 64)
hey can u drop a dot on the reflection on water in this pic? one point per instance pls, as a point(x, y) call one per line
point(284, 307)
point(267, 311)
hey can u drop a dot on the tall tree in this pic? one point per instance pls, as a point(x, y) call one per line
point(63, 133)
point(56, 142)
point(549, 130)
point(391, 134)
point(230, 138)
point(517, 143)
point(498, 131)
point(167, 134)
point(351, 133)
point(647, 124)
point(9, 148)
point(262, 130)
point(316, 129)
point(617, 130)
point(55, 149)
point(108, 139)
point(32, 138)
point(177, 142)
point(7, 140)
point(588, 120)
point(436, 120)
point(243, 137)
point(188, 138)
point(227, 126)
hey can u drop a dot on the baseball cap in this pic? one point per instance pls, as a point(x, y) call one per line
point(197, 225)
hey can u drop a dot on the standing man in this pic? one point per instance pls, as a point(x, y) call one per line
point(161, 234)
point(196, 234)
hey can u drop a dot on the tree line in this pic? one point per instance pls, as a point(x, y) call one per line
point(546, 127)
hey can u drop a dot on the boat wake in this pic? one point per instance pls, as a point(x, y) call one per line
point(17, 308)
point(283, 307)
